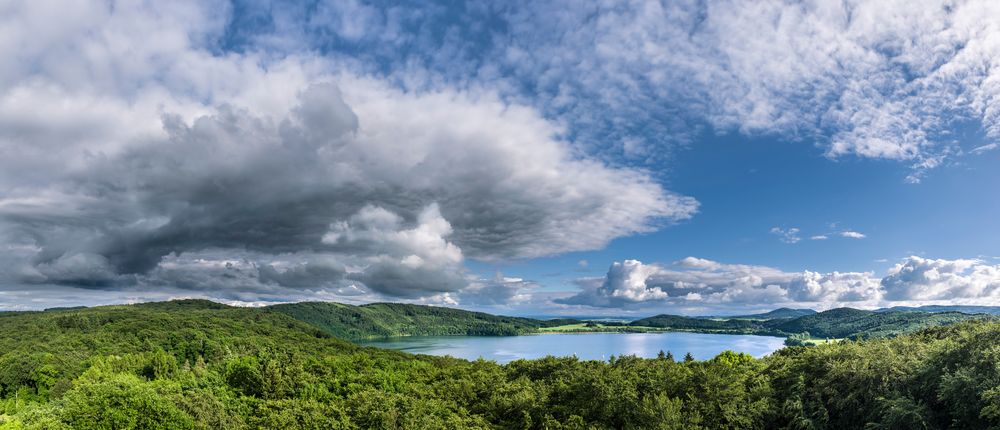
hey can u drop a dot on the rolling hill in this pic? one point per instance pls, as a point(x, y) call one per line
point(834, 323)
point(379, 320)
point(201, 365)
point(776, 314)
point(991, 310)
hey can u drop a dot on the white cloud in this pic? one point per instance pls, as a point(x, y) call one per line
point(819, 237)
point(708, 284)
point(922, 279)
point(787, 235)
point(376, 228)
point(632, 283)
point(876, 79)
point(625, 283)
point(985, 148)
point(852, 234)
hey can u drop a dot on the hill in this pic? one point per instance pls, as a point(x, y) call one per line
point(379, 320)
point(834, 323)
point(847, 322)
point(677, 322)
point(991, 310)
point(776, 314)
point(194, 365)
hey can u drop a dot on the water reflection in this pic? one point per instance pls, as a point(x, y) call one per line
point(587, 346)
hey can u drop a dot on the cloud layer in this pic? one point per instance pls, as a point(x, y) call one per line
point(352, 151)
point(699, 283)
point(865, 78)
point(168, 164)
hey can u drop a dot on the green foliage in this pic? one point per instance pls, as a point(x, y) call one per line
point(195, 364)
point(854, 323)
point(380, 320)
point(834, 323)
point(677, 322)
point(123, 401)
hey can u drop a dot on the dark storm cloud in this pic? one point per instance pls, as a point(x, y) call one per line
point(402, 205)
point(400, 280)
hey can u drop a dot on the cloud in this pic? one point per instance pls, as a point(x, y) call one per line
point(696, 281)
point(624, 283)
point(819, 237)
point(121, 162)
point(984, 148)
point(917, 278)
point(869, 78)
point(852, 234)
point(320, 180)
point(789, 235)
point(501, 291)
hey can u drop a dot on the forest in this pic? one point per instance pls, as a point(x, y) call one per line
point(200, 365)
point(380, 320)
point(834, 323)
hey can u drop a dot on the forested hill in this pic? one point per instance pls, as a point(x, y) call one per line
point(775, 314)
point(847, 322)
point(397, 319)
point(992, 310)
point(834, 323)
point(380, 320)
point(195, 365)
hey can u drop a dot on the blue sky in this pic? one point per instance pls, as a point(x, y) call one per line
point(516, 157)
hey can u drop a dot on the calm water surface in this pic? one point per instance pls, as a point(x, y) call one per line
point(586, 346)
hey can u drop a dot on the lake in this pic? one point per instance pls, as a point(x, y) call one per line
point(586, 346)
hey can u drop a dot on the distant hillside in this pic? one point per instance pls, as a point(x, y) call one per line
point(776, 314)
point(991, 310)
point(677, 322)
point(379, 320)
point(198, 365)
point(834, 323)
point(846, 322)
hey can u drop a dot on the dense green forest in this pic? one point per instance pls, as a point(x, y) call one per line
point(777, 313)
point(834, 323)
point(380, 320)
point(397, 319)
point(196, 364)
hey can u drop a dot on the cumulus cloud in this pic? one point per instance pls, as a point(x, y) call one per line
point(317, 181)
point(121, 161)
point(705, 284)
point(699, 281)
point(625, 283)
point(922, 279)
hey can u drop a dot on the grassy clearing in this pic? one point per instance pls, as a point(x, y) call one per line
point(814, 342)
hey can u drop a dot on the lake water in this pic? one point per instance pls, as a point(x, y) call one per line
point(586, 346)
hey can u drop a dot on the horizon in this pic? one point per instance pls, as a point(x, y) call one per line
point(582, 317)
point(692, 158)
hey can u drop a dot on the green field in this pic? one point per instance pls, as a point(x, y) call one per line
point(599, 328)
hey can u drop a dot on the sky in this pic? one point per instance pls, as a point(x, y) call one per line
point(527, 158)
